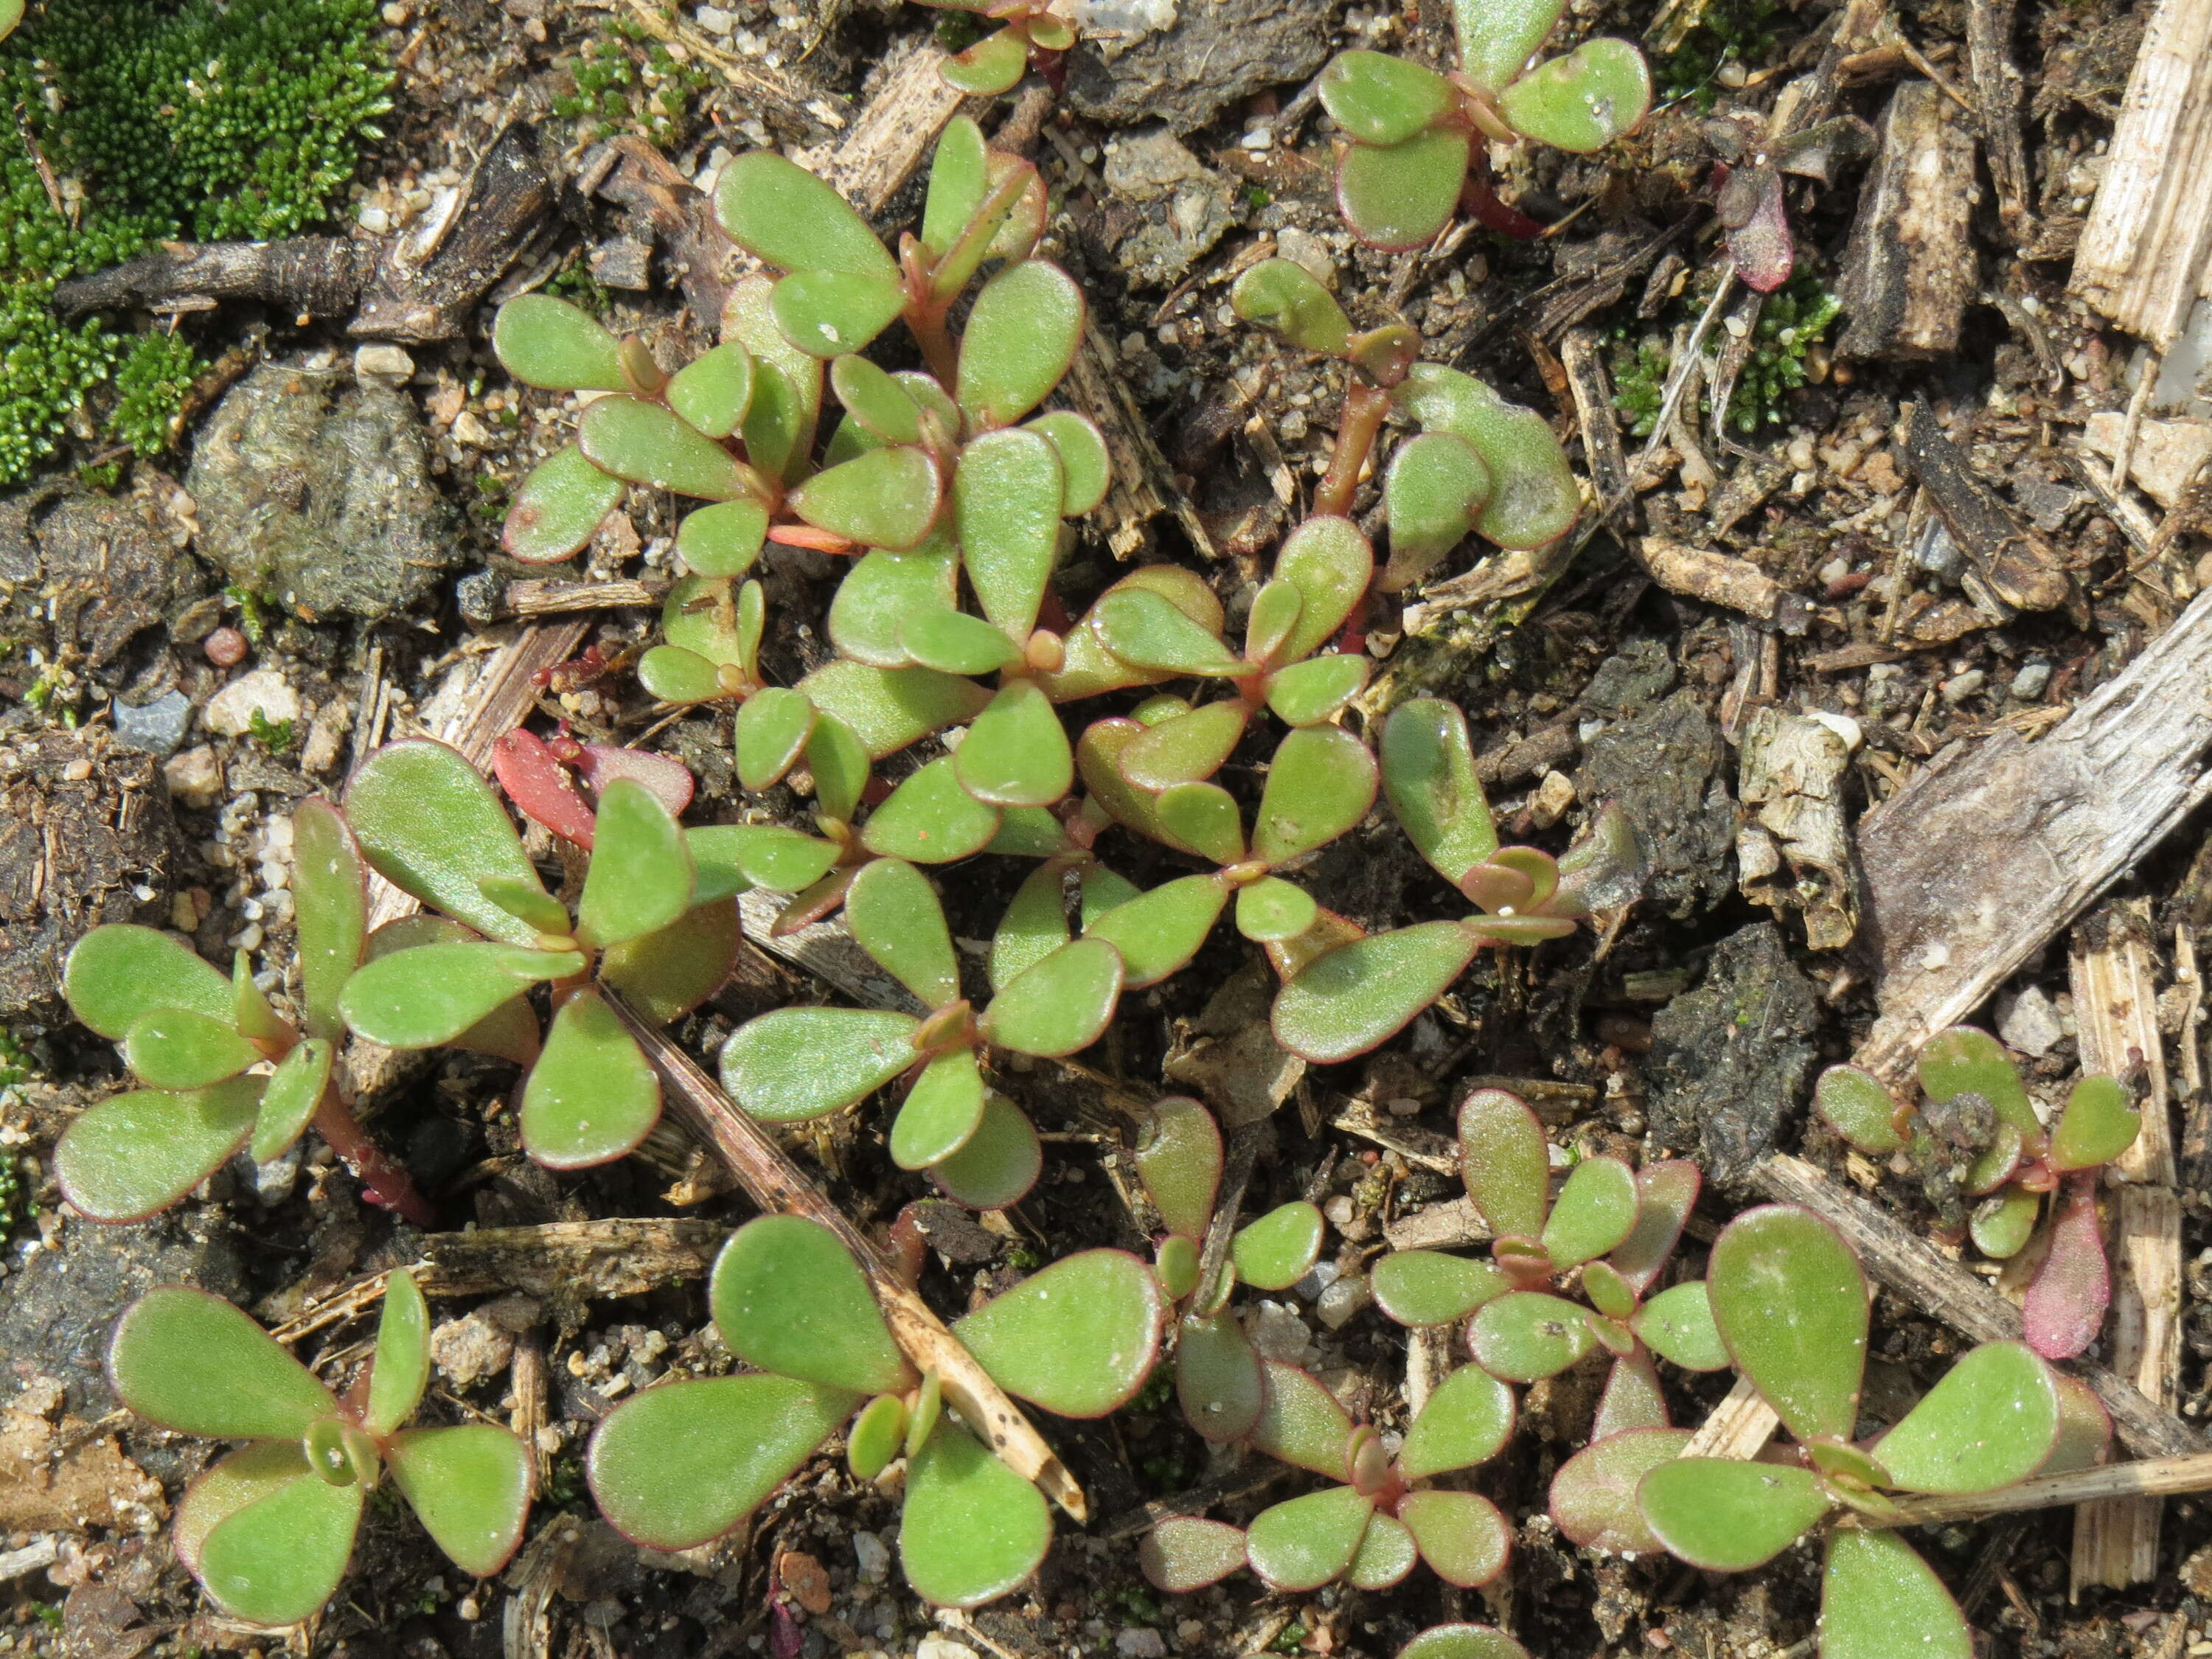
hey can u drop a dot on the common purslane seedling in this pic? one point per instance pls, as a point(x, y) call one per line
point(1418, 137)
point(1030, 34)
point(268, 1530)
point(1976, 1136)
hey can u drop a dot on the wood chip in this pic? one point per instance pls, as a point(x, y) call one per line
point(2019, 565)
point(1792, 773)
point(545, 597)
point(1144, 485)
point(1909, 269)
point(1722, 579)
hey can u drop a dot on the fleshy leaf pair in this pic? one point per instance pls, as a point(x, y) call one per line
point(1977, 1134)
point(793, 1064)
point(1417, 136)
point(685, 1461)
point(269, 1529)
point(1790, 1304)
point(1348, 998)
point(1370, 1530)
point(191, 1035)
point(429, 823)
point(1029, 32)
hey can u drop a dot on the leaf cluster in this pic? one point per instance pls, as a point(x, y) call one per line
point(1030, 34)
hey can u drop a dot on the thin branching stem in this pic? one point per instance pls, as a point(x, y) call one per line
point(383, 1178)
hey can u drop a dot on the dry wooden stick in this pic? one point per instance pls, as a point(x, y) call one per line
point(2116, 1002)
point(780, 1188)
point(1740, 1426)
point(1907, 1264)
point(2148, 1478)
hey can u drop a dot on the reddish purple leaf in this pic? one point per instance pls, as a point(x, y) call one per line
point(2065, 1303)
point(540, 786)
point(1761, 248)
point(600, 764)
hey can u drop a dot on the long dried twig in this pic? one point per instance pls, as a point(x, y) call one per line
point(2152, 1477)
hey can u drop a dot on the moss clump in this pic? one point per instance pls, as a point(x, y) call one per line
point(1790, 323)
point(201, 120)
point(628, 81)
point(1726, 32)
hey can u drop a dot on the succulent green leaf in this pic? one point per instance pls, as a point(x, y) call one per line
point(876, 399)
point(289, 1100)
point(430, 824)
point(1596, 1210)
point(640, 875)
point(1728, 1516)
point(1034, 925)
point(558, 506)
point(1428, 772)
point(736, 1440)
point(1015, 753)
point(1148, 630)
point(420, 998)
point(1436, 486)
point(713, 391)
point(549, 343)
point(1533, 500)
point(1466, 1421)
point(1271, 909)
point(877, 1437)
point(531, 905)
point(999, 1163)
point(1381, 100)
point(1427, 1287)
point(722, 538)
point(1303, 1544)
point(1077, 1338)
point(1462, 1641)
point(1525, 1336)
point(1175, 1265)
point(1090, 668)
point(135, 1153)
point(1964, 1061)
point(1386, 1554)
point(1992, 1421)
point(1349, 998)
point(665, 976)
point(1791, 1305)
point(958, 643)
point(705, 615)
point(1008, 491)
point(592, 1095)
point(884, 595)
point(645, 443)
point(2085, 1428)
point(1497, 37)
point(1319, 787)
point(772, 729)
point(1307, 693)
point(195, 1364)
point(940, 1113)
point(886, 498)
point(1200, 817)
point(1398, 198)
point(119, 973)
point(1279, 1248)
point(1332, 564)
point(1666, 1194)
point(894, 916)
point(1300, 1422)
point(1879, 1598)
point(788, 1298)
point(1677, 1324)
point(1582, 102)
point(770, 855)
point(401, 1369)
point(1284, 295)
point(508, 1032)
point(2003, 1223)
point(1633, 1398)
point(468, 1487)
point(1159, 932)
point(993, 65)
point(829, 314)
point(972, 1529)
point(888, 708)
point(1505, 1162)
point(1859, 1109)
point(2097, 1126)
point(1085, 467)
point(1274, 613)
point(786, 217)
point(1184, 1552)
point(1606, 1291)
point(329, 885)
point(1460, 1534)
point(959, 179)
point(1021, 337)
point(1221, 1383)
point(792, 1064)
point(677, 676)
point(1060, 1005)
point(1179, 1162)
point(779, 430)
point(176, 1048)
point(278, 1556)
point(1593, 1494)
point(839, 760)
point(1185, 749)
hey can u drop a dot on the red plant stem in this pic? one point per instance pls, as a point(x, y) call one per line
point(925, 320)
point(383, 1180)
point(1364, 406)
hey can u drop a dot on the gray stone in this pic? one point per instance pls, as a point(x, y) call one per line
point(1667, 769)
point(1214, 55)
point(1730, 1058)
point(481, 596)
point(318, 491)
point(62, 1303)
point(1187, 208)
point(86, 836)
point(154, 728)
point(2029, 1022)
point(625, 262)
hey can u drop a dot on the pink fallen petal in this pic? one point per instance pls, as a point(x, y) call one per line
point(540, 786)
point(669, 780)
point(2065, 1304)
point(1762, 248)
